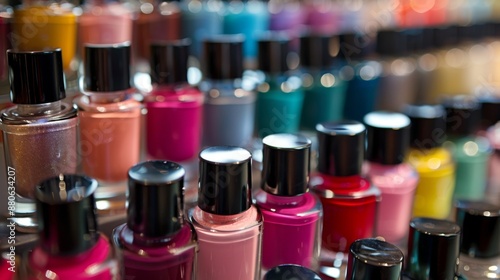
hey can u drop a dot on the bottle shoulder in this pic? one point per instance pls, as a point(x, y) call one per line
point(392, 178)
point(471, 147)
point(128, 103)
point(38, 114)
point(431, 160)
point(301, 206)
point(349, 187)
point(125, 239)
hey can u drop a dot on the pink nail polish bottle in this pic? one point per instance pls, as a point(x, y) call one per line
point(70, 246)
point(228, 226)
point(173, 121)
point(388, 140)
point(292, 215)
point(156, 242)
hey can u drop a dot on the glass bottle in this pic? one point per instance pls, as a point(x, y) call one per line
point(104, 22)
point(349, 200)
point(433, 249)
point(324, 87)
point(292, 215)
point(480, 239)
point(109, 118)
point(373, 259)
point(156, 242)
point(433, 162)
point(38, 25)
point(66, 210)
point(279, 95)
point(228, 112)
point(228, 226)
point(173, 121)
point(387, 146)
point(470, 151)
point(40, 131)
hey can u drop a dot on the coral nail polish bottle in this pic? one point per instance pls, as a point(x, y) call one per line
point(156, 242)
point(373, 259)
point(292, 215)
point(228, 226)
point(41, 131)
point(480, 239)
point(109, 115)
point(70, 246)
point(229, 109)
point(433, 249)
point(388, 140)
point(173, 121)
point(434, 164)
point(349, 200)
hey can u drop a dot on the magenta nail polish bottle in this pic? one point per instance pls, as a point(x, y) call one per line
point(156, 242)
point(69, 244)
point(388, 141)
point(292, 215)
point(173, 121)
point(228, 226)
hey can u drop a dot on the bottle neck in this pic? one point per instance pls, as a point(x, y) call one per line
point(106, 97)
point(39, 109)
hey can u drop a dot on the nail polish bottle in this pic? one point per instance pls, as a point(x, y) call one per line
point(280, 95)
point(292, 215)
point(480, 240)
point(40, 131)
point(324, 87)
point(362, 72)
point(398, 79)
point(104, 22)
point(156, 242)
point(156, 21)
point(200, 19)
point(433, 249)
point(470, 151)
point(388, 140)
point(373, 259)
point(321, 16)
point(173, 121)
point(109, 116)
point(349, 200)
point(286, 16)
point(291, 271)
point(228, 113)
point(38, 25)
point(228, 226)
point(247, 17)
point(8, 266)
point(434, 164)
point(69, 243)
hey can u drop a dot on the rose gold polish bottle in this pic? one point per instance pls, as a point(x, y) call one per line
point(40, 131)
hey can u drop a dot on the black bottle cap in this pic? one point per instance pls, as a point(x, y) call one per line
point(273, 53)
point(341, 147)
point(169, 61)
point(66, 214)
point(392, 43)
point(388, 137)
point(490, 110)
point(375, 260)
point(223, 56)
point(428, 125)
point(225, 180)
point(445, 36)
point(155, 199)
point(291, 271)
point(318, 51)
point(462, 116)
point(36, 77)
point(107, 67)
point(433, 249)
point(470, 33)
point(480, 223)
point(356, 45)
point(286, 164)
